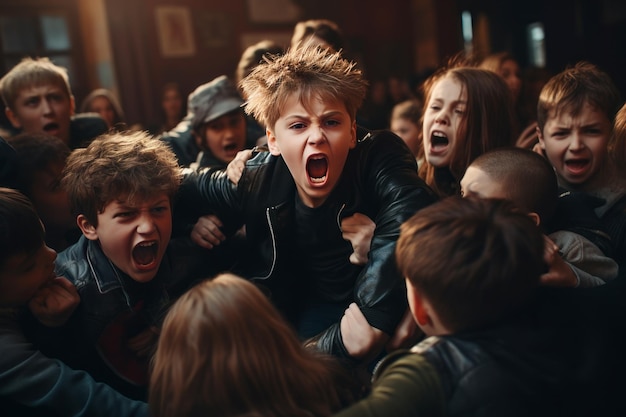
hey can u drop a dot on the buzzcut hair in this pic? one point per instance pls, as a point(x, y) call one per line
point(574, 87)
point(484, 259)
point(21, 231)
point(29, 73)
point(310, 72)
point(528, 179)
point(128, 165)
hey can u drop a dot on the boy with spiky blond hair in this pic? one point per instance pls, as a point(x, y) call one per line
point(296, 200)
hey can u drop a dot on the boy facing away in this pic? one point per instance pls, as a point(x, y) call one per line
point(124, 266)
point(527, 180)
point(495, 347)
point(32, 384)
point(576, 115)
point(38, 99)
point(294, 197)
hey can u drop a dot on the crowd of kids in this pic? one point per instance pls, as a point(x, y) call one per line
point(270, 256)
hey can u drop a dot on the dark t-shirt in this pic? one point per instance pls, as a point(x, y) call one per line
point(324, 254)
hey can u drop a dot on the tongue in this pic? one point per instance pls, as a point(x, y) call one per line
point(576, 166)
point(143, 255)
point(317, 167)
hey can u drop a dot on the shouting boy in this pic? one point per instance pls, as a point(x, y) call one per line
point(294, 198)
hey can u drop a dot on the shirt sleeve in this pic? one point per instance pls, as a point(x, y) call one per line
point(32, 380)
point(408, 387)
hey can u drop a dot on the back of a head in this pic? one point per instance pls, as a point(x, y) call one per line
point(129, 164)
point(310, 72)
point(323, 29)
point(569, 90)
point(225, 350)
point(483, 261)
point(253, 56)
point(30, 73)
point(21, 232)
point(527, 177)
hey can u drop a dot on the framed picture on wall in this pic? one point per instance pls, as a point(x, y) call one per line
point(273, 11)
point(175, 31)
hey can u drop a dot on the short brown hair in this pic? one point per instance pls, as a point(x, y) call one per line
point(527, 178)
point(129, 164)
point(225, 350)
point(31, 72)
point(310, 72)
point(572, 88)
point(474, 260)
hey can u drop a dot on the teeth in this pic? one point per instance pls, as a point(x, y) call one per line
point(146, 244)
point(439, 134)
point(318, 180)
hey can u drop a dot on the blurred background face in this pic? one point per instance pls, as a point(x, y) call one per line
point(104, 108)
point(172, 103)
point(510, 72)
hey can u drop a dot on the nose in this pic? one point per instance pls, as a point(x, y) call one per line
point(442, 117)
point(145, 224)
point(316, 134)
point(46, 107)
point(576, 143)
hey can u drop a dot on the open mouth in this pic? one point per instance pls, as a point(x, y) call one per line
point(51, 127)
point(231, 147)
point(438, 141)
point(145, 254)
point(577, 166)
point(317, 168)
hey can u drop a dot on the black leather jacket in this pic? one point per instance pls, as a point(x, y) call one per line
point(379, 179)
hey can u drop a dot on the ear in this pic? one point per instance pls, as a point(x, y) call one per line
point(535, 217)
point(15, 121)
point(353, 133)
point(418, 306)
point(86, 227)
point(542, 143)
point(272, 144)
point(72, 105)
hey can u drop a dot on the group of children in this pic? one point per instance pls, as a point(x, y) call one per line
point(343, 238)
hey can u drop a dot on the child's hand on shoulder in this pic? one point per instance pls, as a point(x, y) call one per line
point(55, 302)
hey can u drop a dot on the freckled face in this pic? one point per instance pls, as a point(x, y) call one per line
point(43, 109)
point(134, 236)
point(576, 146)
point(443, 117)
point(314, 141)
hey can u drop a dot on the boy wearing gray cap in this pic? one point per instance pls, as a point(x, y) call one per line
point(214, 129)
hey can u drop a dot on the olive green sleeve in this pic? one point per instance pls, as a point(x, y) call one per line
point(408, 387)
